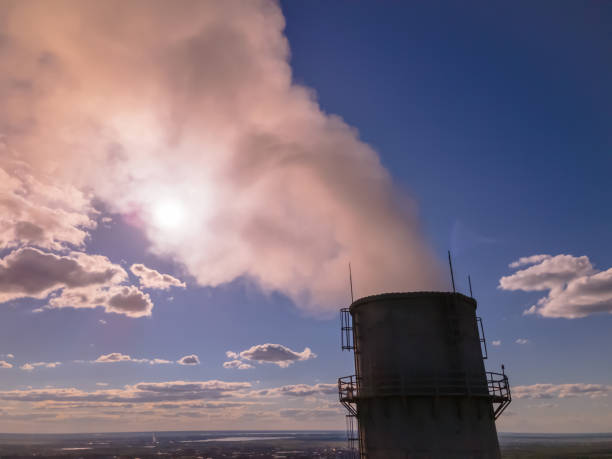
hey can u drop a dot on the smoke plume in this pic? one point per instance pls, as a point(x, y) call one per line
point(184, 114)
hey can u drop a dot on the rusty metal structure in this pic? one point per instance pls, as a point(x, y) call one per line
point(420, 388)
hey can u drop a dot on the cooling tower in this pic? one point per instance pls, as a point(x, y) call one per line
point(420, 388)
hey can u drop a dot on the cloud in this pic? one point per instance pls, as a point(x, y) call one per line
point(119, 357)
point(199, 113)
point(4, 364)
point(189, 360)
point(29, 272)
point(113, 357)
point(533, 259)
point(101, 384)
point(298, 390)
point(576, 288)
point(145, 403)
point(82, 280)
point(150, 278)
point(237, 364)
point(521, 341)
point(546, 391)
point(127, 300)
point(102, 321)
point(496, 342)
point(37, 211)
point(143, 392)
point(33, 365)
point(174, 390)
point(170, 391)
point(8, 356)
point(272, 353)
point(160, 362)
point(312, 413)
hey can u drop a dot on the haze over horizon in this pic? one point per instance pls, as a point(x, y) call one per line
point(183, 185)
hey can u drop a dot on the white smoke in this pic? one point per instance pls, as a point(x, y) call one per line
point(184, 115)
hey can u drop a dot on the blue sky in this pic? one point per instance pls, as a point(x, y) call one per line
point(493, 119)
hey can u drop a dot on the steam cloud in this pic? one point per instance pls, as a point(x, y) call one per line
point(191, 105)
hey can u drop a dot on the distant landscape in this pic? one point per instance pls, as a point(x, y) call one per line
point(268, 444)
point(520, 445)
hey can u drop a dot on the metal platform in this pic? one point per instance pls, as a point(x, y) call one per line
point(496, 388)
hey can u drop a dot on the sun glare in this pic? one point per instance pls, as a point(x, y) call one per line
point(168, 214)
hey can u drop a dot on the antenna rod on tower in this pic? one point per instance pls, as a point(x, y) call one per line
point(470, 282)
point(351, 282)
point(450, 264)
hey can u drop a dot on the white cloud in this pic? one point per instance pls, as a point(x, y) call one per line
point(297, 390)
point(8, 356)
point(189, 360)
point(271, 353)
point(309, 413)
point(545, 391)
point(264, 175)
point(533, 259)
point(101, 384)
point(145, 402)
point(119, 357)
point(31, 366)
point(144, 392)
point(237, 364)
point(102, 321)
point(232, 355)
point(4, 364)
point(37, 211)
point(496, 342)
point(150, 278)
point(576, 288)
point(113, 357)
point(521, 341)
point(160, 362)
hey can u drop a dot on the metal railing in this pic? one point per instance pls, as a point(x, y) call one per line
point(495, 387)
point(348, 393)
point(499, 390)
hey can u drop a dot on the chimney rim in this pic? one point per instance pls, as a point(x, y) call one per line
point(398, 295)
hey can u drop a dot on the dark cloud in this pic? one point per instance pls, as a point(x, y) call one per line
point(131, 301)
point(189, 360)
point(29, 272)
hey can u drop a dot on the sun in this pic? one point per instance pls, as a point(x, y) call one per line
point(168, 214)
